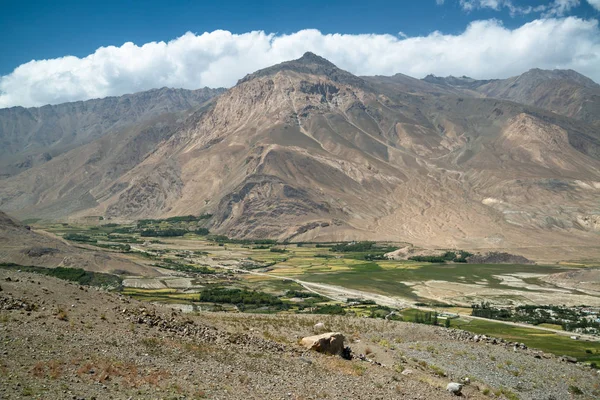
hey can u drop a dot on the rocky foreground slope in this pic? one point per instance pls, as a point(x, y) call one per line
point(62, 341)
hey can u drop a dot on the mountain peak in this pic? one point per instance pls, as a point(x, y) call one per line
point(538, 74)
point(311, 64)
point(311, 58)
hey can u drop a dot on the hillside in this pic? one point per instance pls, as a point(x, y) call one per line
point(23, 246)
point(68, 341)
point(33, 136)
point(305, 151)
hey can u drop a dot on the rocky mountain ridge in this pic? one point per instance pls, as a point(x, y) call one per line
point(33, 136)
point(565, 92)
point(306, 151)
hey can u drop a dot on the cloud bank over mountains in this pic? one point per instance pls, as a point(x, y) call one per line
point(486, 49)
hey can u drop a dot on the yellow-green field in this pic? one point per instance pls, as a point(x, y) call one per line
point(313, 263)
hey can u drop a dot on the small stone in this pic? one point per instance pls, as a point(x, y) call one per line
point(319, 326)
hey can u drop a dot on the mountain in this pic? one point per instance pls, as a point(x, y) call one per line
point(33, 136)
point(306, 151)
point(462, 82)
point(564, 92)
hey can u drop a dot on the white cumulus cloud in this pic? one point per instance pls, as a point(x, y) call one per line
point(595, 4)
point(486, 49)
point(553, 8)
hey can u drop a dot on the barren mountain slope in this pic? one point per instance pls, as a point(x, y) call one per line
point(564, 92)
point(79, 178)
point(305, 151)
point(21, 245)
point(301, 152)
point(33, 136)
point(401, 83)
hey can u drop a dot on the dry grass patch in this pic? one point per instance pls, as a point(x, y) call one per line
point(52, 369)
point(61, 314)
point(129, 373)
point(345, 367)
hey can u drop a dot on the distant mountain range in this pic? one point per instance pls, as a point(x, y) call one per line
point(33, 136)
point(564, 92)
point(306, 151)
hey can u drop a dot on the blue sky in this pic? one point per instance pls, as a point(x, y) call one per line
point(50, 30)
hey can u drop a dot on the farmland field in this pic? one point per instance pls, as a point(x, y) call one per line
point(301, 278)
point(358, 268)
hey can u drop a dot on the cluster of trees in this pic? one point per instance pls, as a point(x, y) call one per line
point(360, 247)
point(118, 246)
point(430, 318)
point(360, 301)
point(169, 232)
point(436, 305)
point(78, 237)
point(569, 318)
point(123, 239)
point(83, 277)
point(221, 239)
point(199, 269)
point(182, 218)
point(353, 247)
point(188, 218)
point(310, 298)
point(582, 323)
point(144, 222)
point(363, 250)
point(484, 310)
point(163, 232)
point(78, 275)
point(147, 228)
point(123, 229)
point(241, 297)
point(331, 309)
point(461, 257)
point(301, 294)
